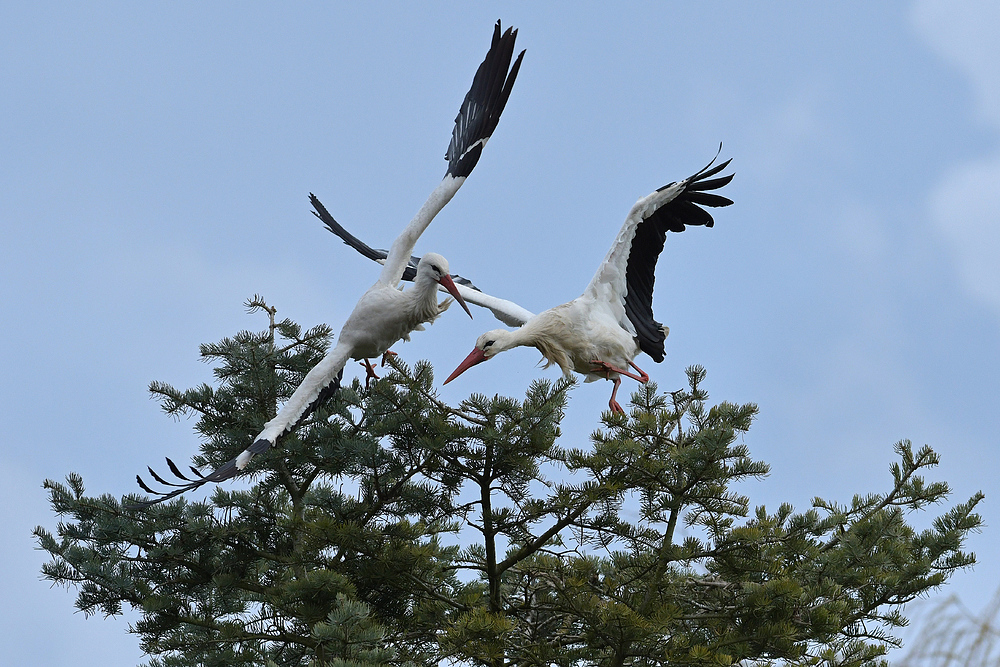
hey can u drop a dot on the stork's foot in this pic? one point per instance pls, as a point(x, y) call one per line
point(371, 375)
point(386, 355)
point(613, 404)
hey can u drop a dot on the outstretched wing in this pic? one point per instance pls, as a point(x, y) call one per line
point(375, 254)
point(477, 118)
point(480, 111)
point(625, 277)
point(507, 312)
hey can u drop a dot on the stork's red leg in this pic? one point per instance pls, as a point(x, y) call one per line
point(370, 373)
point(644, 378)
point(386, 355)
point(613, 404)
point(608, 369)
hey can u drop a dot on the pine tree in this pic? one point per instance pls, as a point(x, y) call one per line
point(393, 529)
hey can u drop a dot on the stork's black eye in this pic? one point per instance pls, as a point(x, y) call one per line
point(435, 268)
point(488, 343)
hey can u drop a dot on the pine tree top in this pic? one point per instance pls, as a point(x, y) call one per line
point(393, 528)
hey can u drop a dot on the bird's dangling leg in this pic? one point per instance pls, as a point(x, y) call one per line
point(386, 355)
point(608, 369)
point(613, 404)
point(643, 376)
point(370, 373)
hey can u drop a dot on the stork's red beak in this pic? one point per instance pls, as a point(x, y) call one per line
point(477, 356)
point(449, 285)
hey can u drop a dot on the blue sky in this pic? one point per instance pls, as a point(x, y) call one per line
point(155, 162)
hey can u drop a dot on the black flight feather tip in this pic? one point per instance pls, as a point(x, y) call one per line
point(177, 473)
point(480, 111)
point(379, 255)
point(674, 216)
point(223, 473)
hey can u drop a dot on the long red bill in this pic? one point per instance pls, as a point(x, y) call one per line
point(449, 285)
point(477, 356)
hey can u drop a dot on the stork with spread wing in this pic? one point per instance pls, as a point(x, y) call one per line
point(384, 314)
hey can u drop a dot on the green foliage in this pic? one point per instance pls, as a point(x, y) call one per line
point(393, 529)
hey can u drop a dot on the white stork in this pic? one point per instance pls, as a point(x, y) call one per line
point(599, 333)
point(385, 314)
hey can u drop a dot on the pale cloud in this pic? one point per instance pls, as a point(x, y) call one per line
point(965, 205)
point(964, 33)
point(861, 232)
point(786, 130)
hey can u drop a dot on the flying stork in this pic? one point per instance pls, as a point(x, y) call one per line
point(599, 333)
point(385, 314)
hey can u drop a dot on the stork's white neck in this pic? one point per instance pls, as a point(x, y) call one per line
point(422, 298)
point(541, 333)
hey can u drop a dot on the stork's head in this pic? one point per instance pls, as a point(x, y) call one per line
point(433, 266)
point(488, 345)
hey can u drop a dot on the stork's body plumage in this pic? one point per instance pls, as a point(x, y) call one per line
point(571, 336)
point(385, 314)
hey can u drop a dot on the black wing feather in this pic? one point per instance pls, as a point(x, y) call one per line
point(708, 199)
point(160, 479)
point(646, 247)
point(715, 183)
point(690, 214)
point(174, 469)
point(480, 111)
point(711, 171)
point(683, 210)
point(142, 485)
